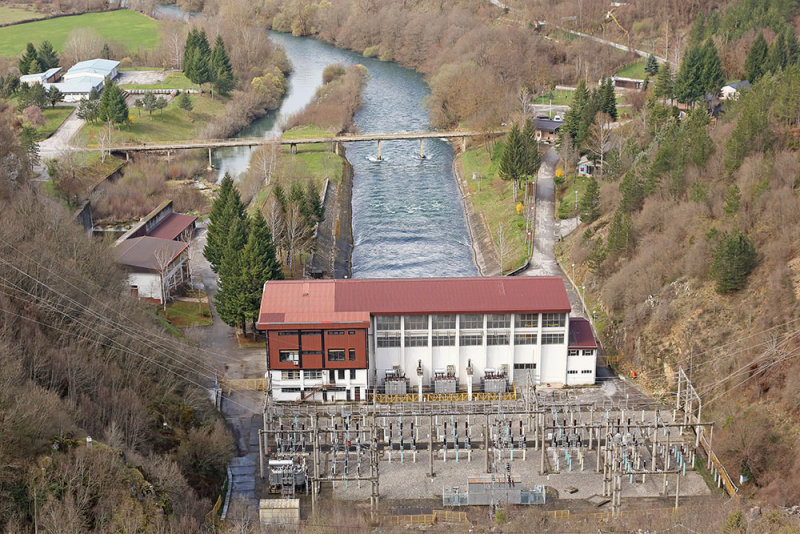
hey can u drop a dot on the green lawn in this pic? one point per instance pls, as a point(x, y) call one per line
point(493, 196)
point(128, 28)
point(175, 125)
point(10, 15)
point(184, 314)
point(634, 70)
point(565, 195)
point(54, 117)
point(559, 98)
point(174, 80)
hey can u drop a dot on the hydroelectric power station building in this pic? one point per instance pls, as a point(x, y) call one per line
point(340, 339)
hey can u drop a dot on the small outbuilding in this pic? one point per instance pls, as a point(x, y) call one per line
point(627, 83)
point(585, 167)
point(732, 90)
point(546, 129)
point(48, 76)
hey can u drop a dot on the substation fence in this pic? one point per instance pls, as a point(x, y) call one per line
point(567, 515)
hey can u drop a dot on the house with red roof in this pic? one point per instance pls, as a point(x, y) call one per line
point(339, 339)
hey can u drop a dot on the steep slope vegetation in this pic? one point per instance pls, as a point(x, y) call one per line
point(684, 203)
point(79, 359)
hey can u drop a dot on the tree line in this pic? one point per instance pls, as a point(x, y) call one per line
point(203, 65)
point(241, 251)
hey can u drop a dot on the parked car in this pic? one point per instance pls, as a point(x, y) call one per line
point(558, 118)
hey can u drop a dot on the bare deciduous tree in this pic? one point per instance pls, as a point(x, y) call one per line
point(601, 137)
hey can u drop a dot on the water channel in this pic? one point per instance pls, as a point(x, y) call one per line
point(408, 217)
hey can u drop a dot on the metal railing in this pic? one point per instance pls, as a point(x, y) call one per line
point(243, 384)
point(383, 398)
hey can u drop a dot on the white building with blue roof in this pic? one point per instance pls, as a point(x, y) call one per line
point(78, 81)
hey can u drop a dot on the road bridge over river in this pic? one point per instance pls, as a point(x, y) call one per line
point(210, 144)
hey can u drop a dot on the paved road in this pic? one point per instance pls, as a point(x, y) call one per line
point(606, 42)
point(58, 144)
point(547, 229)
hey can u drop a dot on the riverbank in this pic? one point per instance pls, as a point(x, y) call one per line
point(334, 245)
point(483, 251)
point(498, 228)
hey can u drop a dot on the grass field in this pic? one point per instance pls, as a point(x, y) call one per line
point(175, 125)
point(184, 314)
point(565, 195)
point(559, 98)
point(54, 117)
point(493, 196)
point(634, 70)
point(12, 14)
point(128, 28)
point(174, 80)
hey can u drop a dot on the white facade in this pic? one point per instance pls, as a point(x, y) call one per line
point(581, 367)
point(516, 344)
point(147, 284)
point(319, 384)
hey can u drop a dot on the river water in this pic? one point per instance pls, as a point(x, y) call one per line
point(408, 217)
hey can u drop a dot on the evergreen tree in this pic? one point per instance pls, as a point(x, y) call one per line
point(47, 55)
point(531, 151)
point(664, 84)
point(590, 202)
point(184, 102)
point(734, 258)
point(689, 86)
point(698, 31)
point(32, 95)
point(226, 207)
point(633, 192)
point(651, 66)
point(258, 264)
point(161, 105)
point(54, 96)
point(713, 77)
point(29, 60)
point(221, 67)
point(88, 108)
point(792, 46)
point(188, 51)
point(620, 234)
point(777, 55)
point(105, 53)
point(756, 59)
point(512, 163)
point(597, 256)
point(112, 107)
point(608, 100)
point(149, 103)
point(230, 297)
point(572, 117)
point(313, 209)
point(733, 198)
point(200, 71)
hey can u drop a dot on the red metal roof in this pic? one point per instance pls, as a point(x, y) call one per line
point(172, 226)
point(351, 300)
point(580, 334)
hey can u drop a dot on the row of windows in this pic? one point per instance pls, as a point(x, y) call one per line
point(577, 352)
point(470, 321)
point(316, 333)
point(583, 372)
point(334, 355)
point(316, 374)
point(466, 340)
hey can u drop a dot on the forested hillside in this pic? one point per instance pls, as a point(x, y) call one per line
point(691, 257)
point(78, 360)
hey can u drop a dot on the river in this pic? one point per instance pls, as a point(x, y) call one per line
point(408, 217)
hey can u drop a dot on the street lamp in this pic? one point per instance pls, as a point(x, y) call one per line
point(573, 273)
point(583, 290)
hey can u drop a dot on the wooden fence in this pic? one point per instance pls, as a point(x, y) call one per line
point(437, 516)
point(243, 384)
point(446, 397)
